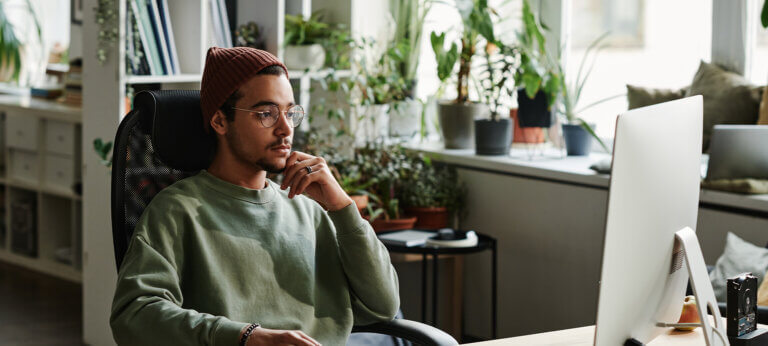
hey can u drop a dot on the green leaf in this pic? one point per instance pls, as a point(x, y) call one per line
point(764, 15)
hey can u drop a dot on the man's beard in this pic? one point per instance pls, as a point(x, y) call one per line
point(236, 145)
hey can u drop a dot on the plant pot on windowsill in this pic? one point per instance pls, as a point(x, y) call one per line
point(493, 137)
point(533, 112)
point(457, 122)
point(524, 134)
point(311, 56)
point(578, 141)
point(381, 224)
point(429, 217)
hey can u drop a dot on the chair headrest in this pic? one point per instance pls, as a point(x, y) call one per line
point(174, 119)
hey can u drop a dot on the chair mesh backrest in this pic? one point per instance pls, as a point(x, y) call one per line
point(138, 173)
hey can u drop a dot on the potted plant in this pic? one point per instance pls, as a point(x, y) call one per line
point(406, 115)
point(12, 47)
point(578, 134)
point(385, 166)
point(304, 41)
point(432, 193)
point(351, 180)
point(374, 87)
point(493, 136)
point(538, 84)
point(457, 116)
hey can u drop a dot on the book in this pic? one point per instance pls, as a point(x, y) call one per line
point(165, 17)
point(147, 37)
point(157, 35)
point(406, 238)
point(224, 18)
point(160, 35)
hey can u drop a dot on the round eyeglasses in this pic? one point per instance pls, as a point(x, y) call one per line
point(269, 114)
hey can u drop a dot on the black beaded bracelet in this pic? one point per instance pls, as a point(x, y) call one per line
point(247, 333)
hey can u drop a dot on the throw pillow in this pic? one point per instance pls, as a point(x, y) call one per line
point(728, 98)
point(739, 257)
point(641, 97)
point(762, 293)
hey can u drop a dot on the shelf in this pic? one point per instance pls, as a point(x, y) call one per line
point(54, 191)
point(181, 78)
point(47, 266)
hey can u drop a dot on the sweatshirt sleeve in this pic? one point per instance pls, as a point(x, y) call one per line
point(146, 309)
point(372, 279)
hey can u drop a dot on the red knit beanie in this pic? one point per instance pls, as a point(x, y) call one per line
point(226, 69)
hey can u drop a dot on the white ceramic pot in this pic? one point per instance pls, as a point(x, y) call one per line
point(405, 118)
point(304, 57)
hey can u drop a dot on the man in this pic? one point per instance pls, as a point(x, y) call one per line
point(228, 257)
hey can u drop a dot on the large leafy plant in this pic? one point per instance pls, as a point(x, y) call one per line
point(408, 16)
point(305, 31)
point(11, 45)
point(534, 74)
point(476, 24)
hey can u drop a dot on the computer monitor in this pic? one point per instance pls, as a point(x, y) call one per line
point(738, 151)
point(654, 192)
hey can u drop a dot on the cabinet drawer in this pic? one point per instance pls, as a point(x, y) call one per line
point(59, 172)
point(60, 137)
point(21, 131)
point(23, 166)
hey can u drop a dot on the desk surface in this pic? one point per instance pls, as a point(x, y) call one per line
point(585, 336)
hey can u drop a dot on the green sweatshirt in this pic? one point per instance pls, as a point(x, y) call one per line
point(208, 257)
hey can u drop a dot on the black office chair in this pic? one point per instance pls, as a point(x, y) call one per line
point(161, 141)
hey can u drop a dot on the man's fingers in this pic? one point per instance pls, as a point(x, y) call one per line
point(307, 339)
point(296, 171)
point(306, 179)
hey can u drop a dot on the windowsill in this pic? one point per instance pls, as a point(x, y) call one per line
point(552, 165)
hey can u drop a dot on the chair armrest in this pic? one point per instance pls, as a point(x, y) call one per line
point(415, 332)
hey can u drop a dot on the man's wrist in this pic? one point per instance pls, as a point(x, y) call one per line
point(341, 205)
point(246, 333)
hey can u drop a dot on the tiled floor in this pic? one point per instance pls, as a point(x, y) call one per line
point(36, 309)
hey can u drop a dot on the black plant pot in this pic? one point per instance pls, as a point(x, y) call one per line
point(533, 112)
point(493, 137)
point(577, 140)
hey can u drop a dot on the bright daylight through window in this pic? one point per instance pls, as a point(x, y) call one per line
point(651, 43)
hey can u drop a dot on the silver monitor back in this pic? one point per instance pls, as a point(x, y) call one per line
point(654, 192)
point(738, 151)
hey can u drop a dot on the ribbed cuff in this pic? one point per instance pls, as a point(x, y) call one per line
point(347, 220)
point(228, 333)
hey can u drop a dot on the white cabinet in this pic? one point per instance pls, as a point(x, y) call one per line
point(40, 204)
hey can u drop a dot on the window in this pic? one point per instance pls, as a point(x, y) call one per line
point(652, 43)
point(758, 73)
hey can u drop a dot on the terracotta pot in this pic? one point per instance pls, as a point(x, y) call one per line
point(360, 200)
point(429, 217)
point(381, 225)
point(525, 134)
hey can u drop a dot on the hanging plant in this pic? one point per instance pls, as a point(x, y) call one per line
point(106, 18)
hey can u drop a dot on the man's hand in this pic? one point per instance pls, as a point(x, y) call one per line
point(270, 337)
point(319, 185)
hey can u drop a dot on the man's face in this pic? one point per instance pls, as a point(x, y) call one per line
point(264, 148)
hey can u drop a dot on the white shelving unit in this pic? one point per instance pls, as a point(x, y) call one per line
point(103, 108)
point(41, 206)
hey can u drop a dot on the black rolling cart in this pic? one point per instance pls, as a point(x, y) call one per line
point(484, 242)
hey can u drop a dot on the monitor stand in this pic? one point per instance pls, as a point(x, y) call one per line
point(714, 335)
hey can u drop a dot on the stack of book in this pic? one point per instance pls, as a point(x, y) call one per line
point(150, 46)
point(73, 84)
point(150, 42)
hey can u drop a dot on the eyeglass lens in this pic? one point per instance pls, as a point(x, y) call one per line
point(294, 115)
